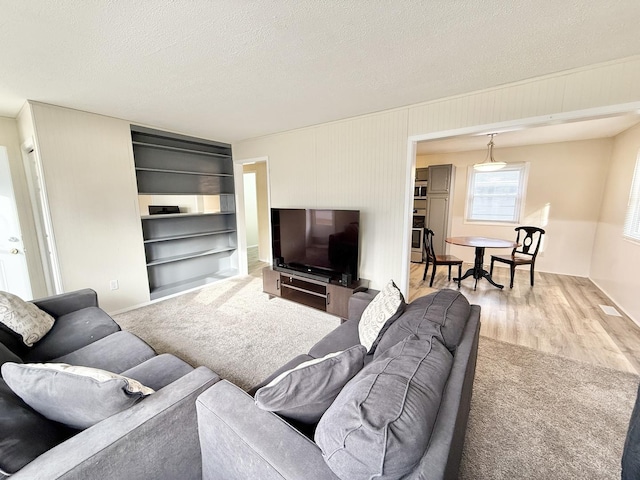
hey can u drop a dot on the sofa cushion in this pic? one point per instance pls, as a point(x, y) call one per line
point(115, 353)
point(78, 397)
point(7, 355)
point(24, 318)
point(159, 371)
point(13, 342)
point(71, 332)
point(383, 310)
point(443, 313)
point(305, 392)
point(381, 423)
point(25, 433)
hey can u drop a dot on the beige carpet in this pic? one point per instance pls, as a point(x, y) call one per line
point(231, 327)
point(540, 416)
point(533, 415)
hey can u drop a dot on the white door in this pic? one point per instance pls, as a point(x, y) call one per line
point(14, 276)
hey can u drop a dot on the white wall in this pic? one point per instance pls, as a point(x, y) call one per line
point(90, 178)
point(262, 199)
point(564, 192)
point(616, 261)
point(362, 162)
point(354, 164)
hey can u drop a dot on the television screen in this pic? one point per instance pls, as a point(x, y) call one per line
point(324, 242)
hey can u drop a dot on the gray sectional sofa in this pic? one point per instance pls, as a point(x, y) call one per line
point(155, 438)
point(404, 415)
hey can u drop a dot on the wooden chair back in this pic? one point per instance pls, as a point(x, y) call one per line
point(427, 240)
point(531, 239)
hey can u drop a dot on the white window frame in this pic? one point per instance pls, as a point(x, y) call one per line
point(631, 230)
point(523, 168)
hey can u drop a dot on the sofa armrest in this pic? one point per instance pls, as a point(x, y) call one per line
point(156, 438)
point(359, 301)
point(240, 441)
point(58, 305)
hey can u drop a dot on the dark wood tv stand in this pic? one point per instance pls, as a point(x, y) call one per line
point(331, 297)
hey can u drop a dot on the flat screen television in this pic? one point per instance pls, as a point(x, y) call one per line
point(319, 243)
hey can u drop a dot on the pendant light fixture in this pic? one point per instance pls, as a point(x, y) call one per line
point(489, 164)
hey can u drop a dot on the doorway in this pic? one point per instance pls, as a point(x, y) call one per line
point(14, 273)
point(253, 218)
point(451, 147)
point(251, 221)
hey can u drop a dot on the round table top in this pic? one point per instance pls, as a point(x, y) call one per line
point(483, 242)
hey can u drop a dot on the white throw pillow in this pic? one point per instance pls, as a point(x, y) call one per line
point(383, 310)
point(76, 396)
point(24, 318)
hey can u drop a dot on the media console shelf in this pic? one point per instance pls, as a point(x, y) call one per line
point(331, 297)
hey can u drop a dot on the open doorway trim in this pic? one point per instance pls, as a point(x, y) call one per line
point(550, 119)
point(42, 217)
point(240, 216)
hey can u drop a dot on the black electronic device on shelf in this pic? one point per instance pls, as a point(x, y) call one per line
point(163, 209)
point(320, 244)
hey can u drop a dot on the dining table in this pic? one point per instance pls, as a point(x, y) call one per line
point(480, 243)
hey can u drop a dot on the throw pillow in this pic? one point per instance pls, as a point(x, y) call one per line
point(305, 392)
point(381, 423)
point(443, 313)
point(24, 318)
point(75, 396)
point(383, 310)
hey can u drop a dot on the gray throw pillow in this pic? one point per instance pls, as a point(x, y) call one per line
point(24, 318)
point(75, 396)
point(443, 313)
point(383, 310)
point(305, 392)
point(381, 423)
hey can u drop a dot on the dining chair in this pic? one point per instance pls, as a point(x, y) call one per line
point(436, 260)
point(524, 254)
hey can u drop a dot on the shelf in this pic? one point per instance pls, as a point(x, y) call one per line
point(420, 198)
point(189, 235)
point(305, 298)
point(177, 287)
point(304, 290)
point(182, 172)
point(179, 258)
point(182, 215)
point(185, 250)
point(178, 149)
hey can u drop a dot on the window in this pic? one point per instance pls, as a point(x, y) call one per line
point(632, 220)
point(498, 196)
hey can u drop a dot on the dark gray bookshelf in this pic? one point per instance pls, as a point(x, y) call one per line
point(186, 250)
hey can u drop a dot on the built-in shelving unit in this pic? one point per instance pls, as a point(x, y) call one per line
point(193, 248)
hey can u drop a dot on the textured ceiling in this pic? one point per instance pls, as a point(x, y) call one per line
point(235, 69)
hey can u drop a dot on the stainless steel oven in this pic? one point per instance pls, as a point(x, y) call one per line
point(416, 244)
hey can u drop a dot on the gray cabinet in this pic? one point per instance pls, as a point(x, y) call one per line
point(186, 250)
point(439, 179)
point(439, 192)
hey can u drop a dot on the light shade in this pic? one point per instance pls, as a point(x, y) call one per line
point(489, 164)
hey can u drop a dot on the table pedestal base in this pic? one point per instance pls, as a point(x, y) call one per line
point(478, 272)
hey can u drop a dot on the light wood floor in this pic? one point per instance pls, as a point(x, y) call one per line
point(559, 315)
point(255, 266)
